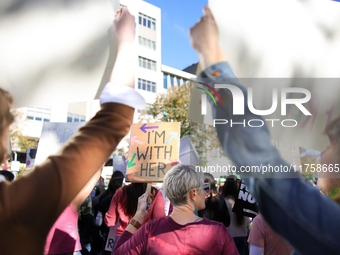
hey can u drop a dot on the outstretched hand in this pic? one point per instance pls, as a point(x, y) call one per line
point(143, 206)
point(142, 209)
point(123, 69)
point(204, 38)
point(125, 25)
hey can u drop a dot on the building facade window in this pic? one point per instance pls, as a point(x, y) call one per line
point(165, 81)
point(146, 85)
point(147, 63)
point(75, 118)
point(39, 114)
point(172, 80)
point(146, 21)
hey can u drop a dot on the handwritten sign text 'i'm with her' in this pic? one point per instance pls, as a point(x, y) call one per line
point(154, 150)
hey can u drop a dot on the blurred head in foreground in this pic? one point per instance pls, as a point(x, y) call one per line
point(6, 119)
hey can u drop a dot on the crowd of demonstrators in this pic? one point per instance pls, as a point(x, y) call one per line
point(201, 221)
point(124, 205)
point(239, 223)
point(215, 206)
point(90, 239)
point(264, 241)
point(96, 194)
point(30, 205)
point(115, 183)
point(298, 212)
point(183, 232)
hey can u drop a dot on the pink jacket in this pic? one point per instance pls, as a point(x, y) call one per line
point(116, 211)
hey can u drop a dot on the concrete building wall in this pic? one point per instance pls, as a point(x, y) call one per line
point(147, 11)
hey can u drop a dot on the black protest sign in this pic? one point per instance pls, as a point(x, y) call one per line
point(245, 202)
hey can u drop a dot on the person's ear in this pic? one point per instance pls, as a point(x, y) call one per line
point(193, 194)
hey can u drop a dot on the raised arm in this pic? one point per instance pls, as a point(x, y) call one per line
point(157, 209)
point(133, 240)
point(292, 209)
point(254, 142)
point(36, 200)
point(123, 71)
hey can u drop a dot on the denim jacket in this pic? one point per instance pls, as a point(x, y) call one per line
point(306, 219)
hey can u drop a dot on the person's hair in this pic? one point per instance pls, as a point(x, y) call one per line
point(6, 119)
point(333, 131)
point(232, 177)
point(230, 189)
point(179, 180)
point(115, 183)
point(209, 178)
point(131, 193)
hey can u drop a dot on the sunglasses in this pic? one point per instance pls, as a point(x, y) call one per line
point(206, 188)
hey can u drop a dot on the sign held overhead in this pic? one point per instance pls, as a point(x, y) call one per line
point(154, 150)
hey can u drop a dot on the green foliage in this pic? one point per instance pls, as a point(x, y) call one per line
point(174, 107)
point(18, 138)
point(21, 172)
point(307, 160)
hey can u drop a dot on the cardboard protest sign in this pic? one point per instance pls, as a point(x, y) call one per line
point(154, 149)
point(187, 152)
point(111, 238)
point(30, 157)
point(53, 137)
point(56, 51)
point(245, 203)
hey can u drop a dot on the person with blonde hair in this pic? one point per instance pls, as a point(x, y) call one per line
point(183, 232)
point(6, 119)
point(30, 205)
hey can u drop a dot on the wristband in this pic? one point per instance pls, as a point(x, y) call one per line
point(135, 223)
